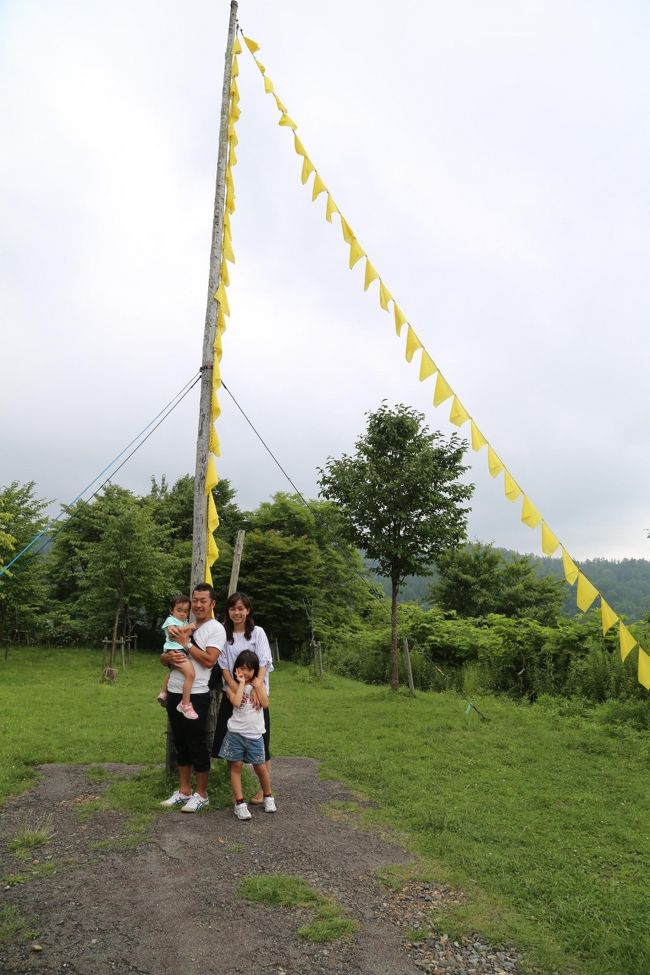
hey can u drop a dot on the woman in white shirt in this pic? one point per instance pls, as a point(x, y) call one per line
point(242, 634)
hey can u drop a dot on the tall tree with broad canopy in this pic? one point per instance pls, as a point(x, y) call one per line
point(401, 498)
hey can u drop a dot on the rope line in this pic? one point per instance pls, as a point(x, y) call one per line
point(166, 410)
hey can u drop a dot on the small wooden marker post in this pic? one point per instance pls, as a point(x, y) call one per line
point(407, 661)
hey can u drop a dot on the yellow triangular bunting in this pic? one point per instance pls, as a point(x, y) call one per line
point(216, 406)
point(207, 576)
point(281, 107)
point(237, 48)
point(228, 252)
point(384, 295)
point(259, 65)
point(220, 296)
point(251, 44)
point(644, 669)
point(478, 440)
point(400, 318)
point(330, 208)
point(319, 187)
point(298, 146)
point(235, 67)
point(212, 552)
point(607, 616)
point(211, 479)
point(571, 570)
point(225, 276)
point(213, 517)
point(529, 514)
point(412, 344)
point(356, 252)
point(550, 541)
point(427, 366)
point(494, 464)
point(307, 169)
point(215, 446)
point(510, 487)
point(285, 120)
point(268, 85)
point(458, 414)
point(346, 230)
point(626, 640)
point(442, 391)
point(370, 275)
point(585, 593)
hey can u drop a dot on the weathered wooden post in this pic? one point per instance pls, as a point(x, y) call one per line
point(407, 661)
point(200, 519)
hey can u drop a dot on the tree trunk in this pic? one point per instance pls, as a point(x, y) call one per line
point(394, 672)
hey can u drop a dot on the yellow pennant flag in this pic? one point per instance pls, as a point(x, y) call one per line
point(207, 576)
point(427, 366)
point(346, 230)
point(607, 616)
point(216, 374)
point(319, 187)
point(259, 65)
point(232, 158)
point(237, 48)
point(626, 640)
point(644, 669)
point(571, 570)
point(251, 44)
point(298, 146)
point(585, 593)
point(458, 414)
point(285, 120)
point(356, 252)
point(235, 67)
point(529, 514)
point(268, 85)
point(370, 275)
point(330, 208)
point(550, 541)
point(217, 346)
point(221, 318)
point(228, 252)
point(400, 318)
point(213, 516)
point(212, 552)
point(215, 446)
point(478, 440)
point(232, 135)
point(412, 344)
point(220, 296)
point(442, 391)
point(510, 486)
point(494, 464)
point(307, 169)
point(234, 91)
point(235, 112)
point(225, 276)
point(216, 406)
point(211, 479)
point(282, 108)
point(384, 295)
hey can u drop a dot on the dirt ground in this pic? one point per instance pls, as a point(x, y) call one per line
point(170, 904)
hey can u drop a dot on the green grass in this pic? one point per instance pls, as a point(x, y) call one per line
point(282, 890)
point(541, 818)
point(15, 927)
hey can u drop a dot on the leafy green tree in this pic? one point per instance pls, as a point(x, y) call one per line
point(305, 580)
point(476, 580)
point(401, 498)
point(22, 587)
point(127, 568)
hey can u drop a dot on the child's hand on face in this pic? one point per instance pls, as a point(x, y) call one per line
point(240, 677)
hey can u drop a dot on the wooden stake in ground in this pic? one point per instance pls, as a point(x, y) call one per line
point(236, 561)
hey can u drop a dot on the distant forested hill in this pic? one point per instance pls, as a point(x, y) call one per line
point(624, 583)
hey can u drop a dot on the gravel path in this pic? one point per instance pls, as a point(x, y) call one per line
point(170, 904)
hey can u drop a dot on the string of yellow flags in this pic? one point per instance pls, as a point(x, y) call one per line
point(586, 592)
point(223, 311)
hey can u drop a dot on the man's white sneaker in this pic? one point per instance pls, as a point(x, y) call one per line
point(242, 811)
point(269, 804)
point(175, 800)
point(196, 804)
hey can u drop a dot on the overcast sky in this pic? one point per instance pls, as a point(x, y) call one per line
point(493, 160)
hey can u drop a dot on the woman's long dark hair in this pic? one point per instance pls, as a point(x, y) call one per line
point(249, 626)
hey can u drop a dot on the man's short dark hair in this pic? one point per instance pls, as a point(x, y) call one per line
point(205, 587)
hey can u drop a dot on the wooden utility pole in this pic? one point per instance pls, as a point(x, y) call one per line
point(200, 521)
point(205, 403)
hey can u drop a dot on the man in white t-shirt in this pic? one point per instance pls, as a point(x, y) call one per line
point(192, 751)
